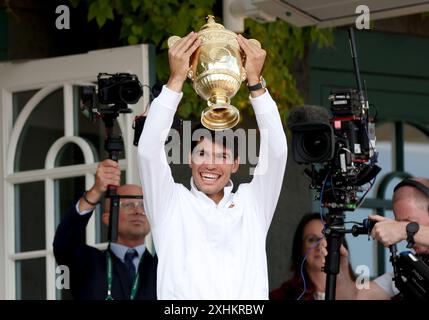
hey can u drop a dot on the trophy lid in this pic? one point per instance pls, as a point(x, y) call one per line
point(215, 32)
point(212, 24)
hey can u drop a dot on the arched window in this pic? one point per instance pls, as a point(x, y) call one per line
point(49, 155)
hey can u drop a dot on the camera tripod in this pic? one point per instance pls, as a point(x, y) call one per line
point(114, 145)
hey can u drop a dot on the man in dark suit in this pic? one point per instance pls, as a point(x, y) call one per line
point(126, 270)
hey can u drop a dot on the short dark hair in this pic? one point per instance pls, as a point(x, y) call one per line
point(226, 138)
point(420, 198)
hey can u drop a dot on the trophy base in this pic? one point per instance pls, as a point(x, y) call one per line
point(220, 117)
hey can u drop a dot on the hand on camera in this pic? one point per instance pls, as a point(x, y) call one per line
point(108, 173)
point(388, 231)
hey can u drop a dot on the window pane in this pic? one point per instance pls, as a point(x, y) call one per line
point(69, 155)
point(30, 216)
point(416, 152)
point(31, 279)
point(42, 129)
point(93, 131)
point(20, 99)
point(67, 191)
point(386, 131)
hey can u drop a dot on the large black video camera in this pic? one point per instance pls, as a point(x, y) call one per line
point(340, 148)
point(411, 275)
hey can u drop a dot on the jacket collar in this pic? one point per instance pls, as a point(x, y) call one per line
point(227, 194)
point(120, 250)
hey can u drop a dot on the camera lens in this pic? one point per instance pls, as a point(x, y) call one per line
point(315, 145)
point(130, 92)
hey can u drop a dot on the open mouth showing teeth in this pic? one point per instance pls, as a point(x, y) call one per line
point(209, 177)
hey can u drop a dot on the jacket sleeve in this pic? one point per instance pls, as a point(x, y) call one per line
point(268, 175)
point(155, 173)
point(69, 240)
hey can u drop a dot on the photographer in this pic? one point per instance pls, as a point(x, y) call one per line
point(126, 270)
point(410, 207)
point(211, 242)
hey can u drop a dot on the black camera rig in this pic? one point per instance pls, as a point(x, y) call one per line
point(410, 274)
point(113, 94)
point(340, 150)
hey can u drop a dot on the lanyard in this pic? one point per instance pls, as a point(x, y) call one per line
point(110, 279)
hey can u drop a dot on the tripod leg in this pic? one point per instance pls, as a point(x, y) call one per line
point(114, 205)
point(114, 145)
point(334, 236)
point(114, 215)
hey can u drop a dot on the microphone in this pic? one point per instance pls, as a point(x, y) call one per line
point(307, 114)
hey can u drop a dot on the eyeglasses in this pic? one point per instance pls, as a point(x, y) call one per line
point(130, 205)
point(312, 239)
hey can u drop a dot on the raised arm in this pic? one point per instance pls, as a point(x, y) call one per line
point(268, 176)
point(70, 235)
point(155, 173)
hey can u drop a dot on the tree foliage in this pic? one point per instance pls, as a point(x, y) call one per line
point(148, 21)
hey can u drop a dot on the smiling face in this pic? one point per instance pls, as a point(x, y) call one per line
point(212, 165)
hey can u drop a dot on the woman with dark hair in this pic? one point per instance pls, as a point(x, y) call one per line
point(307, 235)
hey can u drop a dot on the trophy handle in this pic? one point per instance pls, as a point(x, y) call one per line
point(172, 40)
point(190, 74)
point(243, 74)
point(255, 42)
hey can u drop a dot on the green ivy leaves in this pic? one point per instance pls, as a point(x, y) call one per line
point(148, 21)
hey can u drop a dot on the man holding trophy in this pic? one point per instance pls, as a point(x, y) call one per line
point(211, 242)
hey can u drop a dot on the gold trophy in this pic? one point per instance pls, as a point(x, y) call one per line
point(217, 72)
